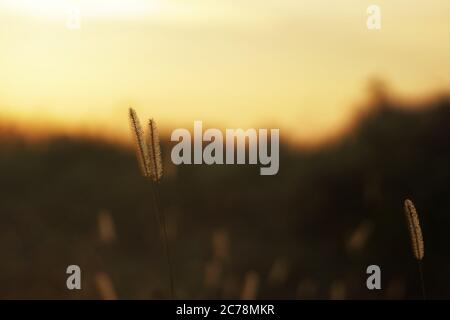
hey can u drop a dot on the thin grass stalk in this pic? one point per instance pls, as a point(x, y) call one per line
point(161, 220)
point(422, 282)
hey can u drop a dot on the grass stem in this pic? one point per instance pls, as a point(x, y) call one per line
point(163, 231)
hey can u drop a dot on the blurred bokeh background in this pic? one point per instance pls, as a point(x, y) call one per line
point(364, 117)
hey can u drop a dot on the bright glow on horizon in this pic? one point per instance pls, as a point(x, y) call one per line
point(302, 66)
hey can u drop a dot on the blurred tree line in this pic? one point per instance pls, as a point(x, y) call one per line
point(308, 232)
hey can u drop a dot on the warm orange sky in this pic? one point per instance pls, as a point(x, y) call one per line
point(299, 65)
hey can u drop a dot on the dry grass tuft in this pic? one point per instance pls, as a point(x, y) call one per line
point(149, 156)
point(105, 286)
point(106, 229)
point(250, 287)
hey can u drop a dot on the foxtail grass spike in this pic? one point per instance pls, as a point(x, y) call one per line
point(142, 152)
point(415, 232)
point(154, 152)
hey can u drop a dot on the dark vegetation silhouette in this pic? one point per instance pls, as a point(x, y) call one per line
point(327, 215)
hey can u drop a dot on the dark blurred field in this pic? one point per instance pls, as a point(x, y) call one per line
point(308, 232)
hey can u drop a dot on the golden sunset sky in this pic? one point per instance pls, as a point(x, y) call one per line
point(302, 66)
